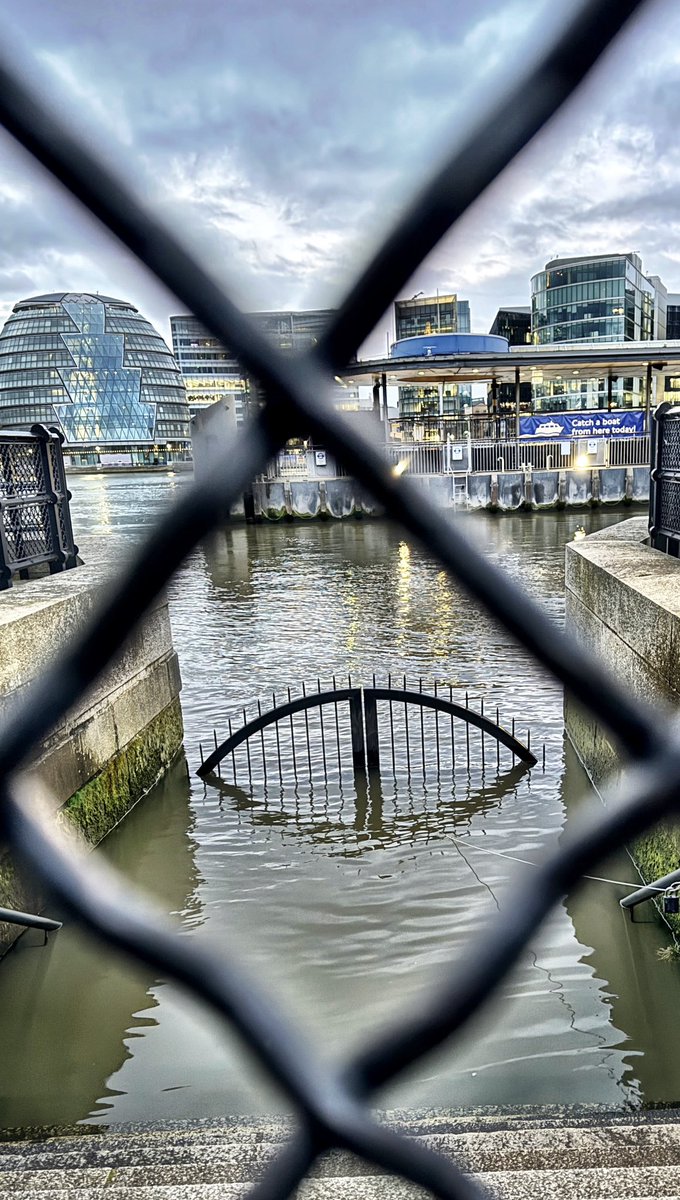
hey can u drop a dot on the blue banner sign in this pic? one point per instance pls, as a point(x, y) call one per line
point(586, 424)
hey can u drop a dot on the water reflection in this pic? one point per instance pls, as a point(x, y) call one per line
point(71, 1012)
point(346, 902)
point(371, 812)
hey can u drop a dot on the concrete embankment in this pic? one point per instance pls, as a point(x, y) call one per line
point(118, 739)
point(623, 604)
point(338, 498)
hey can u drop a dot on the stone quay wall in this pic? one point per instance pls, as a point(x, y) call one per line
point(119, 738)
point(623, 604)
point(509, 491)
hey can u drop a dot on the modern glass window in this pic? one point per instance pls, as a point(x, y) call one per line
point(71, 363)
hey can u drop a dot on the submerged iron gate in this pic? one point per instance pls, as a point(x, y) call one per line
point(35, 522)
point(664, 489)
point(367, 733)
point(332, 1103)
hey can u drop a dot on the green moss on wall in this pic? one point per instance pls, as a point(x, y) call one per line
point(657, 854)
point(103, 801)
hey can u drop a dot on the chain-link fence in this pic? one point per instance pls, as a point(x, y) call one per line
point(332, 1104)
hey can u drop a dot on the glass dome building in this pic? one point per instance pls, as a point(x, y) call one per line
point(98, 370)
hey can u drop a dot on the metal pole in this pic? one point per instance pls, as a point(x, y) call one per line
point(233, 756)
point(648, 398)
point(453, 736)
point(292, 738)
point(518, 392)
point(309, 750)
point(436, 729)
point(498, 745)
point(337, 730)
point(278, 743)
point(250, 773)
point(422, 728)
point(219, 773)
point(264, 759)
point(394, 763)
point(372, 738)
point(323, 733)
point(408, 748)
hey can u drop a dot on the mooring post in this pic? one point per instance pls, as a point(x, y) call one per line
point(372, 742)
point(356, 720)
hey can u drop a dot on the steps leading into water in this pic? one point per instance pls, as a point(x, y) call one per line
point(518, 1155)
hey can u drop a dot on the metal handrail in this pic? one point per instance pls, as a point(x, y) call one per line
point(650, 890)
point(11, 916)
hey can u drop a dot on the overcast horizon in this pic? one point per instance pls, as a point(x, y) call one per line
point(282, 142)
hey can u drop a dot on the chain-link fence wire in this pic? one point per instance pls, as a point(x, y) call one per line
point(331, 1103)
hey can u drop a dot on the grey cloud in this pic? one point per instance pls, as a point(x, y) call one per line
point(313, 121)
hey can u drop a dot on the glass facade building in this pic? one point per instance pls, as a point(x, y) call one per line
point(209, 369)
point(673, 317)
point(513, 324)
point(210, 372)
point(420, 316)
point(603, 298)
point(98, 370)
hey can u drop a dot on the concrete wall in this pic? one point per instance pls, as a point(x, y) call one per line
point(623, 604)
point(119, 738)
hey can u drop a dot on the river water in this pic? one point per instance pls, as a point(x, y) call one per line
point(345, 906)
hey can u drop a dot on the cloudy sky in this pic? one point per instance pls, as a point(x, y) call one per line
point(281, 139)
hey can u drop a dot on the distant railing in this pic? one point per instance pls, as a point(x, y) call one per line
point(485, 456)
point(35, 521)
point(664, 494)
point(517, 455)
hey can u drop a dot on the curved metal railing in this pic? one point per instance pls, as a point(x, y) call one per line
point(332, 1103)
point(362, 705)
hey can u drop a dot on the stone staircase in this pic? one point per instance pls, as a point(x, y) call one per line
point(517, 1155)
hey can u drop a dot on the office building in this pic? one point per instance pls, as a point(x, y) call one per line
point(421, 316)
point(601, 298)
point(212, 373)
point(97, 369)
point(673, 317)
point(514, 324)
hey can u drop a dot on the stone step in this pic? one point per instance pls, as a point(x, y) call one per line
point(247, 1129)
point(137, 1158)
point(654, 1183)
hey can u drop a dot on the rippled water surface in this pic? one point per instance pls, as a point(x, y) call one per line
point(345, 902)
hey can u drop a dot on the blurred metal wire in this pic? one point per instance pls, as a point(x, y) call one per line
point(331, 1104)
